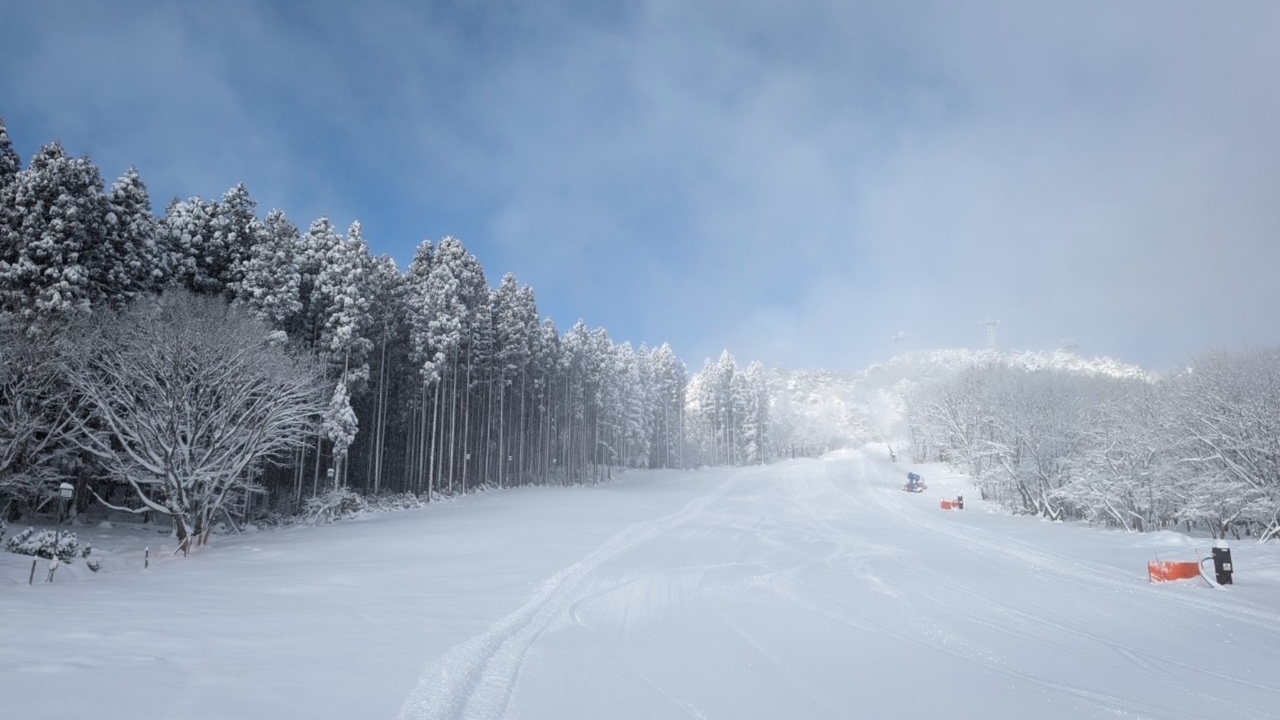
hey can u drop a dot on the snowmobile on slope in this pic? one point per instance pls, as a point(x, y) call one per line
point(915, 483)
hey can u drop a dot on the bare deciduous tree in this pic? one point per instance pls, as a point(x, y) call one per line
point(33, 418)
point(184, 399)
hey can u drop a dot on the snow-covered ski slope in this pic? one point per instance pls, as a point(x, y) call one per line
point(805, 589)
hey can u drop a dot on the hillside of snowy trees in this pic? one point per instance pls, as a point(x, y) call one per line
point(215, 365)
point(1067, 439)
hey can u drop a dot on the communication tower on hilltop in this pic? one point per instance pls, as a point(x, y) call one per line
point(991, 332)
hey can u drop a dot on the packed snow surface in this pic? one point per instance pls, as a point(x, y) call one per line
point(802, 589)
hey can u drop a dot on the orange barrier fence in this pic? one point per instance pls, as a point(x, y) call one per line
point(947, 504)
point(1163, 571)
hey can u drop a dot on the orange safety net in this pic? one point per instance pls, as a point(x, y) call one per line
point(947, 504)
point(1163, 571)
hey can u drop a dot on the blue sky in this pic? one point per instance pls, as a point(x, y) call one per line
point(796, 181)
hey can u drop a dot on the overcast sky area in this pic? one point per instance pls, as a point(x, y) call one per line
point(797, 181)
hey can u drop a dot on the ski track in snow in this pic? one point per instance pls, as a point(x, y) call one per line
point(620, 657)
point(474, 679)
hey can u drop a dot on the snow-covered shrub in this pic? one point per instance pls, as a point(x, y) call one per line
point(275, 519)
point(93, 563)
point(46, 544)
point(20, 541)
point(88, 548)
point(334, 505)
point(3, 527)
point(395, 501)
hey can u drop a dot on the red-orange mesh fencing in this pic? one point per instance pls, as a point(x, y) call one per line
point(1163, 571)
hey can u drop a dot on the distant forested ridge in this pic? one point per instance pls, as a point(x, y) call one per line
point(1106, 443)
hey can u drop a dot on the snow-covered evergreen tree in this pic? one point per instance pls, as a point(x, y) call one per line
point(133, 261)
point(548, 369)
point(428, 360)
point(578, 387)
point(389, 334)
point(725, 409)
point(10, 166)
point(185, 236)
point(340, 300)
point(271, 279)
point(52, 260)
point(475, 329)
point(10, 161)
point(700, 417)
point(340, 425)
point(320, 245)
point(635, 380)
point(514, 325)
point(607, 405)
point(755, 414)
point(237, 231)
point(671, 380)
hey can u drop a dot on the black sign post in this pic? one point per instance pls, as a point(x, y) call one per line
point(1222, 564)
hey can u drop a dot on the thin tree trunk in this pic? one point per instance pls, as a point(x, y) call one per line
point(315, 477)
point(298, 470)
point(410, 456)
point(424, 465)
point(379, 423)
point(433, 469)
point(520, 428)
point(466, 424)
point(453, 426)
point(502, 431)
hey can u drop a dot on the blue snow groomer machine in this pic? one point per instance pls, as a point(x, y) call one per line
point(915, 483)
